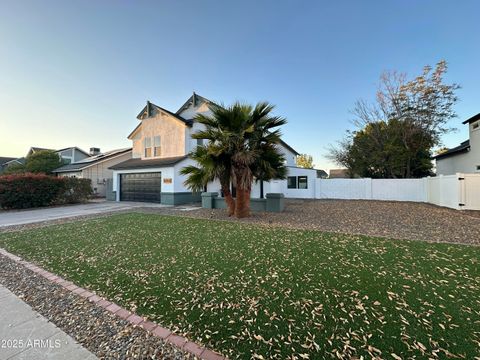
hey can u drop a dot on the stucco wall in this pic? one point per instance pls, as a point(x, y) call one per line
point(171, 131)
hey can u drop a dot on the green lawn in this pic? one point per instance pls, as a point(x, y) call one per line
point(250, 291)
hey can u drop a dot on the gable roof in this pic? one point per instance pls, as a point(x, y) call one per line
point(92, 160)
point(75, 148)
point(472, 119)
point(34, 149)
point(138, 163)
point(191, 100)
point(4, 159)
point(147, 108)
point(462, 148)
point(20, 160)
point(194, 99)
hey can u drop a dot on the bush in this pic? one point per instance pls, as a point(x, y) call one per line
point(75, 190)
point(21, 191)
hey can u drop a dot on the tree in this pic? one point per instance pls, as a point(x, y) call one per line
point(44, 161)
point(241, 148)
point(305, 161)
point(395, 135)
point(211, 167)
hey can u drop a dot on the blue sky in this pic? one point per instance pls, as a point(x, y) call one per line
point(78, 72)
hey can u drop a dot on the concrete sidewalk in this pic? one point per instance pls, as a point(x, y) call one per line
point(21, 217)
point(25, 334)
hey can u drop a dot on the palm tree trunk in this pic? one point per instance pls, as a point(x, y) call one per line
point(242, 208)
point(227, 194)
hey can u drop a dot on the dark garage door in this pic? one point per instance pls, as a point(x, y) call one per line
point(140, 187)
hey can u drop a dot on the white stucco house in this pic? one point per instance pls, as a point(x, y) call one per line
point(464, 158)
point(161, 143)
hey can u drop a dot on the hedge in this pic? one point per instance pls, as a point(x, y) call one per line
point(21, 191)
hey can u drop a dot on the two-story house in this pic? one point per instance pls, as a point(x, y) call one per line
point(464, 158)
point(161, 143)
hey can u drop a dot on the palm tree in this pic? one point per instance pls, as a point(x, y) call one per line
point(211, 167)
point(241, 144)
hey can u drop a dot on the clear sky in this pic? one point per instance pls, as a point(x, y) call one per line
point(78, 72)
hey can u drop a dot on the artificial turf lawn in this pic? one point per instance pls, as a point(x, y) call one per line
point(253, 291)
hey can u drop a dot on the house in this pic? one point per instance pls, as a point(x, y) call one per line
point(161, 143)
point(464, 158)
point(339, 174)
point(95, 167)
point(12, 161)
point(322, 174)
point(4, 161)
point(68, 155)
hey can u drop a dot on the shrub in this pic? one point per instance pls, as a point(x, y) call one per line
point(21, 191)
point(27, 190)
point(75, 190)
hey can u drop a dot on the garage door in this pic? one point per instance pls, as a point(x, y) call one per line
point(140, 187)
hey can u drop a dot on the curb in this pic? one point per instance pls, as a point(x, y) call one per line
point(179, 342)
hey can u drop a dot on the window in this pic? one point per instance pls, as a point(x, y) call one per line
point(156, 146)
point(303, 182)
point(292, 182)
point(476, 125)
point(199, 142)
point(297, 182)
point(478, 167)
point(148, 146)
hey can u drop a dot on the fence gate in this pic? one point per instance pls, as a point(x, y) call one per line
point(471, 191)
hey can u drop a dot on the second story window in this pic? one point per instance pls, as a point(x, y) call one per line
point(148, 147)
point(156, 146)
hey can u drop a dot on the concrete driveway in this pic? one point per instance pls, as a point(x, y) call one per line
point(21, 217)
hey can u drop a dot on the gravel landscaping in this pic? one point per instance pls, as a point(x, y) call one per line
point(104, 334)
point(396, 220)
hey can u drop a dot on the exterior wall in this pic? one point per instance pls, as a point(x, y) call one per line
point(171, 131)
point(464, 162)
point(290, 157)
point(190, 112)
point(172, 193)
point(78, 155)
point(99, 173)
point(72, 155)
point(461, 163)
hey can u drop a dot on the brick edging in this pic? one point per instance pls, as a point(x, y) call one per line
point(178, 341)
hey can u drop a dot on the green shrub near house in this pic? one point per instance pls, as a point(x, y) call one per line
point(21, 191)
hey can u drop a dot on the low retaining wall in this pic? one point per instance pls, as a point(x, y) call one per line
point(274, 202)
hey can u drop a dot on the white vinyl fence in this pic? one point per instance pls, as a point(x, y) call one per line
point(460, 191)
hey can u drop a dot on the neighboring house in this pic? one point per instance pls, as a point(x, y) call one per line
point(339, 174)
point(161, 142)
point(464, 158)
point(4, 161)
point(68, 155)
point(13, 161)
point(95, 167)
point(321, 174)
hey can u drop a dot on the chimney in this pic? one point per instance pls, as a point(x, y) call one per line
point(94, 151)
